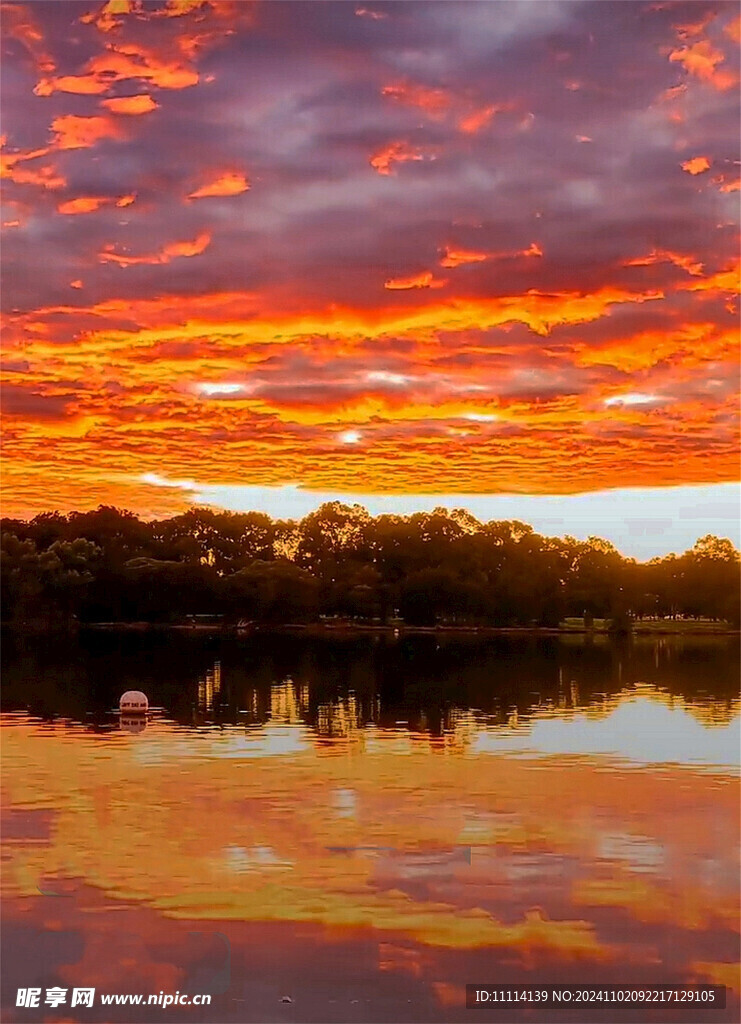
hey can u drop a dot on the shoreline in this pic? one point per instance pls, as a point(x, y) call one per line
point(682, 628)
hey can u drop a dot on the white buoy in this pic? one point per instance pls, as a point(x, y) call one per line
point(133, 702)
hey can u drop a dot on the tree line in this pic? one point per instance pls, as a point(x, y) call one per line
point(432, 568)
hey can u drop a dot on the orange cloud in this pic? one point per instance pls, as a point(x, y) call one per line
point(733, 30)
point(13, 166)
point(110, 14)
point(122, 63)
point(728, 186)
point(693, 344)
point(132, 61)
point(438, 103)
point(434, 102)
point(85, 204)
point(477, 119)
point(177, 8)
point(397, 152)
point(717, 974)
point(174, 250)
point(44, 177)
point(458, 257)
point(702, 60)
point(725, 281)
point(76, 84)
point(424, 280)
point(194, 248)
point(696, 165)
point(113, 14)
point(727, 181)
point(691, 29)
point(74, 132)
point(70, 131)
point(89, 204)
point(231, 183)
point(692, 266)
point(19, 24)
point(130, 105)
point(234, 316)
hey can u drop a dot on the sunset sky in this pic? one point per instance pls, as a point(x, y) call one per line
point(258, 254)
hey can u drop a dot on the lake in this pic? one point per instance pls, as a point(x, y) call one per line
point(352, 830)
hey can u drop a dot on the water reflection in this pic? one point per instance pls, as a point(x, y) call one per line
point(432, 817)
point(132, 723)
point(209, 688)
point(288, 702)
point(341, 718)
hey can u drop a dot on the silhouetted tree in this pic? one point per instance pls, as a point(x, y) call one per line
point(436, 567)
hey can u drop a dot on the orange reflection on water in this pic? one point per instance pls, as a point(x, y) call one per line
point(514, 837)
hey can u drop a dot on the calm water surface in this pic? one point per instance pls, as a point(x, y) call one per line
point(362, 827)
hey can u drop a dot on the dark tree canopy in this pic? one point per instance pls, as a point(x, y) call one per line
point(430, 568)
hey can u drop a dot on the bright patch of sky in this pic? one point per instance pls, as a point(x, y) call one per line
point(642, 522)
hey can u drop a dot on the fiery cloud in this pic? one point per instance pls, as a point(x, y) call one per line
point(171, 251)
point(428, 259)
point(123, 64)
point(423, 280)
point(477, 119)
point(434, 102)
point(14, 166)
point(459, 257)
point(19, 24)
point(72, 132)
point(703, 60)
point(687, 263)
point(132, 106)
point(696, 165)
point(396, 152)
point(231, 183)
point(84, 204)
